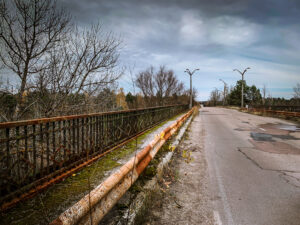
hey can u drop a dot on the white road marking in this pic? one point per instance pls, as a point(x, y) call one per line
point(223, 195)
point(217, 218)
point(262, 129)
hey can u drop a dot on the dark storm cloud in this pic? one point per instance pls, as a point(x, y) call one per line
point(229, 33)
point(272, 11)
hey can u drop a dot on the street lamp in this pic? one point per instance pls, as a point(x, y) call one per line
point(224, 92)
point(191, 90)
point(242, 73)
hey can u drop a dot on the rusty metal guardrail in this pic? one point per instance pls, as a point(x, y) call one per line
point(266, 111)
point(286, 108)
point(92, 208)
point(34, 151)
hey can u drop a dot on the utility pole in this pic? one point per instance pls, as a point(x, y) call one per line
point(224, 92)
point(242, 73)
point(191, 89)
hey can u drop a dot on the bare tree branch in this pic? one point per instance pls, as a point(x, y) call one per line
point(28, 30)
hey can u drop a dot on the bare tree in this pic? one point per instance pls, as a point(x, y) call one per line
point(132, 97)
point(28, 30)
point(215, 97)
point(166, 84)
point(225, 91)
point(145, 82)
point(161, 85)
point(83, 64)
point(297, 91)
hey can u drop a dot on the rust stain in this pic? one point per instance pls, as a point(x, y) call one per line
point(284, 113)
point(45, 183)
point(62, 118)
point(143, 164)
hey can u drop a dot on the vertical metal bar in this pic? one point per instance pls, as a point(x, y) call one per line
point(47, 148)
point(18, 154)
point(94, 134)
point(42, 150)
point(65, 141)
point(110, 132)
point(34, 149)
point(101, 133)
point(70, 151)
point(121, 124)
point(73, 138)
point(7, 152)
point(97, 132)
point(107, 130)
point(60, 159)
point(87, 136)
point(104, 131)
point(55, 152)
point(82, 136)
point(91, 136)
point(78, 137)
point(26, 148)
point(113, 126)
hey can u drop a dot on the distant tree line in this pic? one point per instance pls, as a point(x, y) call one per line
point(155, 88)
point(252, 97)
point(158, 88)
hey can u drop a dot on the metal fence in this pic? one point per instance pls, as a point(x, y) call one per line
point(288, 108)
point(33, 149)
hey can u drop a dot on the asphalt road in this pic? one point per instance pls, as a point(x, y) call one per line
point(253, 166)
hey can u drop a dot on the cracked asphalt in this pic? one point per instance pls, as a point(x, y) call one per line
point(184, 197)
point(253, 166)
point(246, 171)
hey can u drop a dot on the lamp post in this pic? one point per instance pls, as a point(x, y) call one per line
point(224, 92)
point(191, 90)
point(242, 73)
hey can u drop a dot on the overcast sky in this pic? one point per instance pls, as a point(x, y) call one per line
point(216, 36)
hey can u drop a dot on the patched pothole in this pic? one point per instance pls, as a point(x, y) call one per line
point(261, 136)
point(275, 147)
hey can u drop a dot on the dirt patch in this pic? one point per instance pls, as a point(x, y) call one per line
point(183, 196)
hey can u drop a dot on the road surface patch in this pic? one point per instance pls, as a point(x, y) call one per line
point(261, 136)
